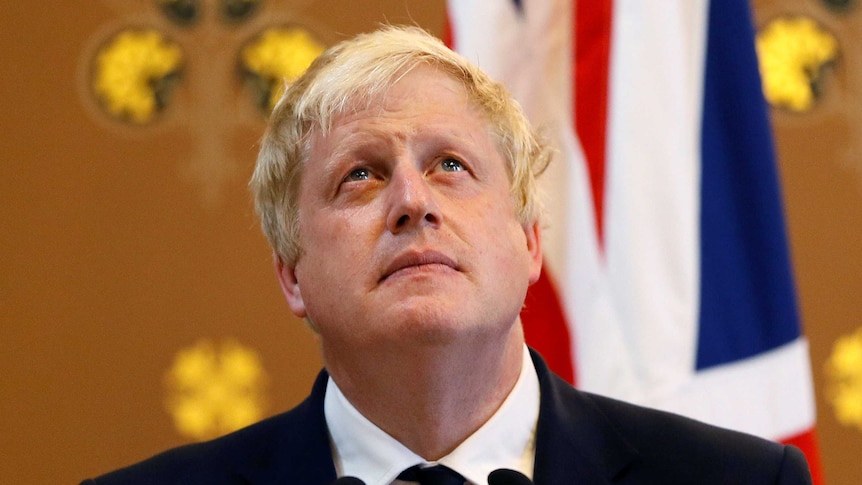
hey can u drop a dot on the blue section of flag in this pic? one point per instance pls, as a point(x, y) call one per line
point(748, 299)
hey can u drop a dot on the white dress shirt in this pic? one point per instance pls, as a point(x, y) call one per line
point(507, 440)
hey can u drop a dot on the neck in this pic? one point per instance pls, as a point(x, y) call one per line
point(432, 397)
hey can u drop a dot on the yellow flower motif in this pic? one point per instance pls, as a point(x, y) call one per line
point(213, 391)
point(792, 53)
point(280, 55)
point(844, 367)
point(129, 69)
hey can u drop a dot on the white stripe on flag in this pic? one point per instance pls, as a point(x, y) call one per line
point(769, 395)
point(652, 203)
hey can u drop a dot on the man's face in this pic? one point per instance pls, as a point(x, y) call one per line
point(407, 226)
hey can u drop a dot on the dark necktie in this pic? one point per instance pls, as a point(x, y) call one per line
point(432, 475)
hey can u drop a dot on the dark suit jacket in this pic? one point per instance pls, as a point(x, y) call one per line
point(581, 439)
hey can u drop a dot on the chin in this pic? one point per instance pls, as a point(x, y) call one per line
point(443, 329)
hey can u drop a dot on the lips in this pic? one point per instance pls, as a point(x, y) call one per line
point(417, 259)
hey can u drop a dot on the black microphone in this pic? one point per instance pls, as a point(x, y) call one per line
point(347, 481)
point(504, 476)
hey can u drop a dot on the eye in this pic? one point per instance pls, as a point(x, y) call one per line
point(451, 165)
point(357, 175)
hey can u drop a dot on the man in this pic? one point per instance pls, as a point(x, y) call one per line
point(396, 183)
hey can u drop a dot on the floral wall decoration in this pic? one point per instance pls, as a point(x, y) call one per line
point(203, 67)
point(214, 388)
point(188, 12)
point(277, 55)
point(794, 53)
point(840, 5)
point(844, 372)
point(134, 72)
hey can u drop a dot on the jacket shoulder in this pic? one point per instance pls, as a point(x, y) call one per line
point(580, 434)
point(292, 442)
point(670, 445)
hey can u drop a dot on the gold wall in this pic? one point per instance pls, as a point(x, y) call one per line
point(820, 157)
point(123, 245)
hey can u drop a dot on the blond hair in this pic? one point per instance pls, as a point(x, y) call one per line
point(351, 76)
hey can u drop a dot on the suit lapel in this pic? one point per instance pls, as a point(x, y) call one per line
point(297, 448)
point(575, 442)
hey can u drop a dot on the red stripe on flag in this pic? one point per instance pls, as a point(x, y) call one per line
point(448, 37)
point(592, 44)
point(545, 328)
point(807, 442)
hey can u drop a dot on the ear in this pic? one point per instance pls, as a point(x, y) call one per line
point(534, 247)
point(289, 285)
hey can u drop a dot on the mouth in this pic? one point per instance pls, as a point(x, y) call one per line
point(419, 261)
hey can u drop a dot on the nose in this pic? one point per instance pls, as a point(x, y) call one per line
point(412, 201)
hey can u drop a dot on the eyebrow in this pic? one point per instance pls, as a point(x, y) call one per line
point(352, 145)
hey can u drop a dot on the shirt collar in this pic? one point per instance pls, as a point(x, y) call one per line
point(506, 440)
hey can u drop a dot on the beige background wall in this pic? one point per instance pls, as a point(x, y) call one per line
point(820, 157)
point(116, 252)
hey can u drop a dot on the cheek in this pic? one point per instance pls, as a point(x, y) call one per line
point(513, 242)
point(337, 249)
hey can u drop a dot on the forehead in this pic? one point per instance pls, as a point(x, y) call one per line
point(425, 102)
point(423, 90)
